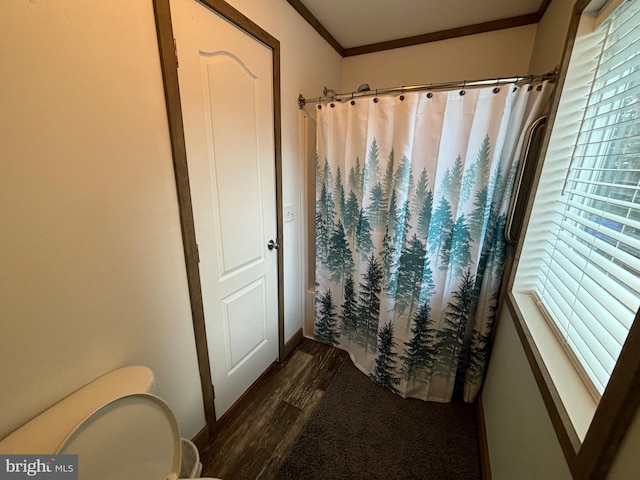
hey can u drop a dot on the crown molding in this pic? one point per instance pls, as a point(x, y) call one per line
point(501, 24)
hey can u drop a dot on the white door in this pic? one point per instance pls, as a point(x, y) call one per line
point(225, 79)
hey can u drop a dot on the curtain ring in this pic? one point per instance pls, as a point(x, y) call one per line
point(402, 93)
point(375, 100)
point(497, 87)
point(462, 92)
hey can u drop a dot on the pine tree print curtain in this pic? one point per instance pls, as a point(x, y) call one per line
point(411, 200)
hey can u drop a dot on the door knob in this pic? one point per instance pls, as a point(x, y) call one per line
point(273, 244)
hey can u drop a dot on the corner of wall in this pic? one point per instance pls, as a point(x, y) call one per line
point(550, 37)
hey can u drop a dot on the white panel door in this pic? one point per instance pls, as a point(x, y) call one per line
point(226, 91)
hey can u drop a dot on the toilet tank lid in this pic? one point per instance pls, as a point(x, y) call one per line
point(45, 433)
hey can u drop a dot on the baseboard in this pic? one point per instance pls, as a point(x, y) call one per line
point(292, 344)
point(201, 439)
point(483, 444)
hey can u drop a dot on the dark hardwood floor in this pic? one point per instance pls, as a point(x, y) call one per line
point(254, 436)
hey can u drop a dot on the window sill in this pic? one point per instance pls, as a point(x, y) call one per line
point(568, 399)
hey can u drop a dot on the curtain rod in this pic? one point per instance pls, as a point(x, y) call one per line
point(330, 95)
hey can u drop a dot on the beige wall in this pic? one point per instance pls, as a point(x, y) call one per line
point(550, 38)
point(92, 269)
point(93, 273)
point(521, 438)
point(626, 465)
point(501, 53)
point(522, 441)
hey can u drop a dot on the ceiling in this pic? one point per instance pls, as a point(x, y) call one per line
point(357, 23)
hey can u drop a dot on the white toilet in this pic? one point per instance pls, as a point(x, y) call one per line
point(116, 427)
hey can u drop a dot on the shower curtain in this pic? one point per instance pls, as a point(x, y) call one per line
point(412, 192)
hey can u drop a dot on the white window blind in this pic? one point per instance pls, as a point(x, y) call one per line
point(588, 275)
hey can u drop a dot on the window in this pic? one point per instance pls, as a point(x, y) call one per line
point(588, 282)
point(582, 263)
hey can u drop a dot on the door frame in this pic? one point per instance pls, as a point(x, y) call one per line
point(169, 66)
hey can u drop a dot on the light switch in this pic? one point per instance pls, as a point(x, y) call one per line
point(289, 215)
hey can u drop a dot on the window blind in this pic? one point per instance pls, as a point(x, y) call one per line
point(588, 277)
